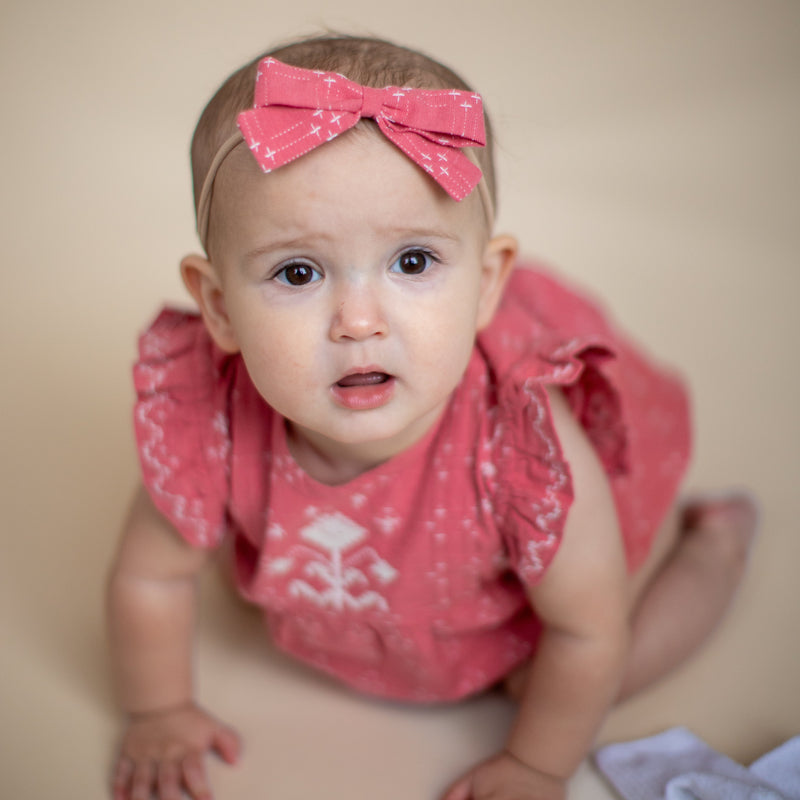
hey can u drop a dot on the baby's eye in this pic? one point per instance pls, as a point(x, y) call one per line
point(297, 274)
point(412, 262)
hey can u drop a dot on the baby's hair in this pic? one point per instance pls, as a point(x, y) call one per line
point(370, 62)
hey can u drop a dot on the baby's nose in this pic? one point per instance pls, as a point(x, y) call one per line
point(358, 315)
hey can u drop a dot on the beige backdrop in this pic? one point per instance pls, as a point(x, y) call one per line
point(649, 149)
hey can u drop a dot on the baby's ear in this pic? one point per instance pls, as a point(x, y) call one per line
point(499, 258)
point(203, 283)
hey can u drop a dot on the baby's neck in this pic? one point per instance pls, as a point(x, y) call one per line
point(332, 472)
point(329, 466)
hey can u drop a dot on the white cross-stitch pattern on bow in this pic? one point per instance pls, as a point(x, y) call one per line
point(341, 577)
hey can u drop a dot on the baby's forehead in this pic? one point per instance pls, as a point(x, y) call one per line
point(240, 171)
point(357, 183)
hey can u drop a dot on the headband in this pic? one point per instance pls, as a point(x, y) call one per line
point(296, 110)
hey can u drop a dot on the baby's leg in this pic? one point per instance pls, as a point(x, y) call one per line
point(684, 589)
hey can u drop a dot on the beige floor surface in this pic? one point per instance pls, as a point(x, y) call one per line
point(649, 149)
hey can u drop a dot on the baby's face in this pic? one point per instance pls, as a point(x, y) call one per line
point(354, 288)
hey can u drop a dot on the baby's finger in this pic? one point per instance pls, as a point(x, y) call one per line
point(460, 790)
point(169, 781)
point(227, 745)
point(142, 781)
point(121, 779)
point(194, 777)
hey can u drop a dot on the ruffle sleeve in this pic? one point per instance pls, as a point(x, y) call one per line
point(181, 425)
point(546, 335)
point(634, 412)
point(535, 482)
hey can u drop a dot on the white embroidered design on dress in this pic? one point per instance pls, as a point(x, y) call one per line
point(389, 521)
point(324, 564)
point(547, 509)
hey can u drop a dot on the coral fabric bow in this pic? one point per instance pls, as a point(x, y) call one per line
point(296, 110)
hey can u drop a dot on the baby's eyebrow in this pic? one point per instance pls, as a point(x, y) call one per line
point(402, 233)
point(294, 243)
point(422, 232)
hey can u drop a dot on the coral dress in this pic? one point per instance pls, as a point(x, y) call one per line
point(409, 581)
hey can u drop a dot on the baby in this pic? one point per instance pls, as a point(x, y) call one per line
point(435, 468)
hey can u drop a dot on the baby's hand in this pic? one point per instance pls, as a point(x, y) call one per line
point(163, 752)
point(505, 777)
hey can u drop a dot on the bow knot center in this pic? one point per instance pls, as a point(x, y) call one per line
point(371, 102)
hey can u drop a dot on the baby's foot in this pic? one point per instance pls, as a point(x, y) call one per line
point(722, 528)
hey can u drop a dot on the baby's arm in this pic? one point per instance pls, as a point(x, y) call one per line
point(575, 674)
point(151, 610)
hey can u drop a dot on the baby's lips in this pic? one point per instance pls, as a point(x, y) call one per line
point(364, 390)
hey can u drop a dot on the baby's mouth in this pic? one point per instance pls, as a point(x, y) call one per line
point(363, 379)
point(364, 390)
